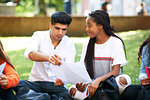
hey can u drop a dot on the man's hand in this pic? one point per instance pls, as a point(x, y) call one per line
point(55, 60)
point(81, 87)
point(58, 82)
point(3, 80)
point(145, 81)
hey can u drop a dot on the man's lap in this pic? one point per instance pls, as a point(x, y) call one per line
point(43, 87)
point(40, 86)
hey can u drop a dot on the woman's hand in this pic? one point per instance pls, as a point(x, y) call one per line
point(92, 88)
point(145, 81)
point(3, 80)
point(81, 87)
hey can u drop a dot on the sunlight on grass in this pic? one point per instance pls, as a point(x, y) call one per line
point(129, 33)
point(133, 40)
point(14, 43)
point(25, 74)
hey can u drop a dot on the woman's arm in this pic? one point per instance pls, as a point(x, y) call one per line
point(115, 71)
point(144, 63)
point(12, 77)
point(94, 85)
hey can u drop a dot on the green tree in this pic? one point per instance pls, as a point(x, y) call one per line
point(26, 7)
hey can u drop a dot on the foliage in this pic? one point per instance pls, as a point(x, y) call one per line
point(26, 7)
point(58, 4)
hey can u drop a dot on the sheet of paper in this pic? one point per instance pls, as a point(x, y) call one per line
point(2, 66)
point(72, 73)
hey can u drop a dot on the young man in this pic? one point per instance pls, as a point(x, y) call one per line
point(48, 48)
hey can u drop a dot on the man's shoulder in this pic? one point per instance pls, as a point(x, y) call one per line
point(41, 33)
point(66, 38)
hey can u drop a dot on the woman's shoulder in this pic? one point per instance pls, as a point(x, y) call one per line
point(116, 40)
point(145, 48)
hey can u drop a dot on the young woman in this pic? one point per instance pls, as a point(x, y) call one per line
point(8, 78)
point(103, 54)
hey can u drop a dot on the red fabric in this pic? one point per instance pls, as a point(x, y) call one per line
point(11, 74)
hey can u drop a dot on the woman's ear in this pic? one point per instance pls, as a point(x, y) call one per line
point(100, 26)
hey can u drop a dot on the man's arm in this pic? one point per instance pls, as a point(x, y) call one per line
point(35, 56)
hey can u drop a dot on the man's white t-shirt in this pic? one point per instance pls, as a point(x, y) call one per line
point(106, 55)
point(41, 42)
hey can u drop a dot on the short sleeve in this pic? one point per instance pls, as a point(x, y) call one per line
point(119, 54)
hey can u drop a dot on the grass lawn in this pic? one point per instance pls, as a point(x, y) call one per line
point(15, 47)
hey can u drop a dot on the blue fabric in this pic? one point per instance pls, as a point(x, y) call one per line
point(28, 94)
point(145, 62)
point(67, 7)
point(7, 94)
point(45, 87)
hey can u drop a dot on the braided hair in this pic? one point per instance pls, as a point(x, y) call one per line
point(146, 42)
point(99, 17)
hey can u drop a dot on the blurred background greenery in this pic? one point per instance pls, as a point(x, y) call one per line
point(27, 7)
point(79, 7)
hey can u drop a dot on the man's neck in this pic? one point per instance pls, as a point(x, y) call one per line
point(54, 42)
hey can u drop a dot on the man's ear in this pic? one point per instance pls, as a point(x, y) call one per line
point(50, 25)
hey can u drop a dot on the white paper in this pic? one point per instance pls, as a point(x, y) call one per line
point(71, 73)
point(2, 66)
